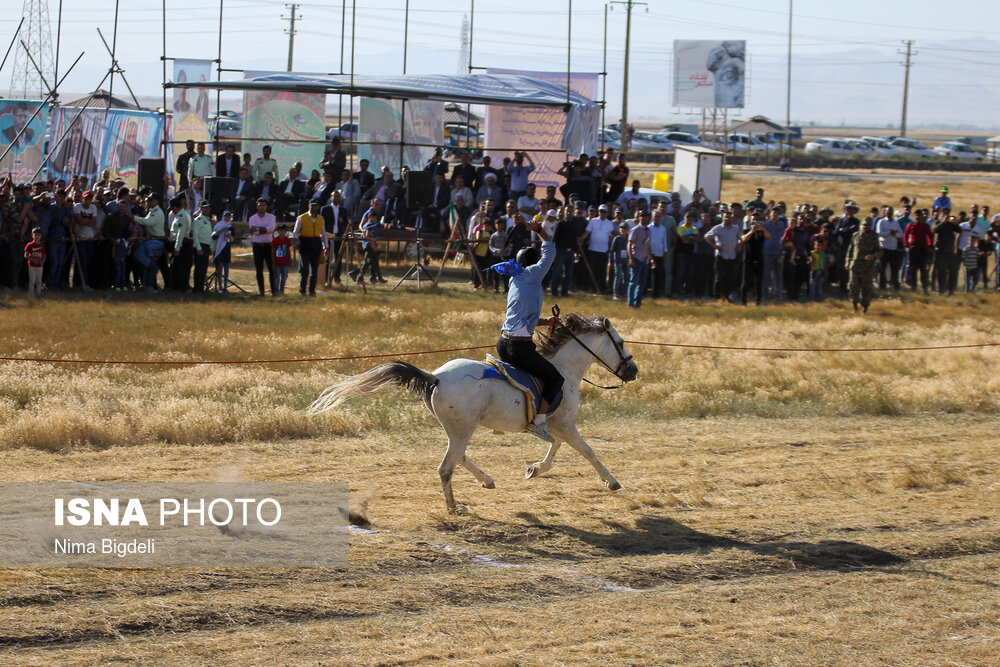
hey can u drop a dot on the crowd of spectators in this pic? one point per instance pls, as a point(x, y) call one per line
point(610, 238)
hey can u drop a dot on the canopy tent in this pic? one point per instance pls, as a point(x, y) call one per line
point(760, 125)
point(582, 114)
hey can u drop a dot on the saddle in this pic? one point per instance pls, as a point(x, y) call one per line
point(522, 381)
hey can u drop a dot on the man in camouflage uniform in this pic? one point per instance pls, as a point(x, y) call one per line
point(865, 250)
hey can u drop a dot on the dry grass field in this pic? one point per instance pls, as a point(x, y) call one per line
point(779, 508)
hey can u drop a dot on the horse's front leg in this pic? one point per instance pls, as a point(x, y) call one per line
point(540, 467)
point(576, 441)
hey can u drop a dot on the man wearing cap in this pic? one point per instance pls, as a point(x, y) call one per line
point(311, 242)
point(844, 229)
point(147, 252)
point(200, 165)
point(862, 254)
point(942, 202)
point(184, 249)
point(265, 165)
point(946, 258)
point(201, 243)
point(598, 237)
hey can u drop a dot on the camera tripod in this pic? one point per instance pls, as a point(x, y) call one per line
point(418, 265)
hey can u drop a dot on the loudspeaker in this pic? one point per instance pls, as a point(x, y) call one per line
point(419, 189)
point(153, 172)
point(219, 190)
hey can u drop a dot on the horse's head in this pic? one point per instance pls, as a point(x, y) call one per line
point(614, 356)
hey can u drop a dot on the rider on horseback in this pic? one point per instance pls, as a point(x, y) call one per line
point(524, 308)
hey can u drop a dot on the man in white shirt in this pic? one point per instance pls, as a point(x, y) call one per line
point(528, 204)
point(85, 216)
point(598, 240)
point(890, 235)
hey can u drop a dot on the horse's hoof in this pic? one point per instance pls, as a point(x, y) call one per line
point(532, 471)
point(458, 508)
point(489, 484)
point(613, 485)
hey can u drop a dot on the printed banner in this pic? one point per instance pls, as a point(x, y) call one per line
point(709, 73)
point(190, 105)
point(293, 124)
point(524, 128)
point(419, 121)
point(24, 158)
point(79, 153)
point(128, 136)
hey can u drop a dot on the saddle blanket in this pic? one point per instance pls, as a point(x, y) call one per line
point(522, 380)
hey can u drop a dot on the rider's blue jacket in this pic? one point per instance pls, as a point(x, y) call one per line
point(524, 296)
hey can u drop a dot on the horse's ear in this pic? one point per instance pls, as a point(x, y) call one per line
point(607, 324)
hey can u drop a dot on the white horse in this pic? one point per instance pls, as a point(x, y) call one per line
point(461, 401)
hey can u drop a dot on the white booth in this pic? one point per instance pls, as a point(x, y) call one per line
point(697, 167)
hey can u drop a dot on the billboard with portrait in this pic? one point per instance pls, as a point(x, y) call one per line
point(128, 136)
point(419, 121)
point(79, 152)
point(190, 106)
point(22, 138)
point(709, 73)
point(292, 124)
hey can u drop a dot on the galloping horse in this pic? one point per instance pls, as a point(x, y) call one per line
point(459, 397)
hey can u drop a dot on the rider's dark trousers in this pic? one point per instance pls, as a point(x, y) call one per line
point(522, 353)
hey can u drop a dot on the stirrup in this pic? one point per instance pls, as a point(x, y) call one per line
point(541, 430)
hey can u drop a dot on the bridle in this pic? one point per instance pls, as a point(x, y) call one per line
point(623, 358)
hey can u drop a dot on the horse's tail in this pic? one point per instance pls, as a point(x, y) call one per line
point(399, 373)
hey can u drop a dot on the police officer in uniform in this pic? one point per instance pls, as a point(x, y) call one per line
point(201, 165)
point(265, 164)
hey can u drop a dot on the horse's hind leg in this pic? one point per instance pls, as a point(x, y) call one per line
point(576, 441)
point(478, 473)
point(539, 467)
point(458, 440)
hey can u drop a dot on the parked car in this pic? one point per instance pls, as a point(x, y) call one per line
point(744, 143)
point(657, 141)
point(654, 197)
point(881, 147)
point(610, 139)
point(227, 114)
point(717, 142)
point(683, 138)
point(346, 132)
point(771, 142)
point(829, 146)
point(860, 146)
point(960, 151)
point(224, 128)
point(911, 148)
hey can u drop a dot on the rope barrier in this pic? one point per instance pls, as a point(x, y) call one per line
point(99, 362)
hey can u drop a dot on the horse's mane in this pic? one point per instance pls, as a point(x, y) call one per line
point(549, 340)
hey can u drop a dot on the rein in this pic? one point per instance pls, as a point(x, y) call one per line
point(624, 359)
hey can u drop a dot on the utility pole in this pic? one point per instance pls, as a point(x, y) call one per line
point(788, 75)
point(629, 4)
point(906, 83)
point(291, 31)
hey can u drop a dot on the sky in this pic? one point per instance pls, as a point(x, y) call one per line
point(846, 65)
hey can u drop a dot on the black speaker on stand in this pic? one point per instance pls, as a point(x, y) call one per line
point(153, 172)
point(219, 191)
point(419, 189)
